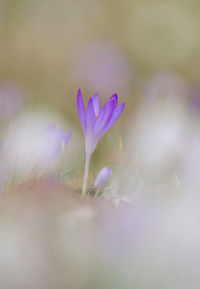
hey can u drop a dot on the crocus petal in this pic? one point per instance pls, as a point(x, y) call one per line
point(96, 104)
point(90, 117)
point(115, 98)
point(103, 118)
point(116, 114)
point(67, 137)
point(81, 110)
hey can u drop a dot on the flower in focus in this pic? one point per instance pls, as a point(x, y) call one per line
point(103, 177)
point(54, 141)
point(96, 122)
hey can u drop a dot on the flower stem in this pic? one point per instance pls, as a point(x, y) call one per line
point(86, 172)
point(97, 192)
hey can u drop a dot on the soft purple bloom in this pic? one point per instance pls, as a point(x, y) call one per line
point(54, 142)
point(11, 99)
point(103, 177)
point(95, 122)
point(102, 67)
point(194, 100)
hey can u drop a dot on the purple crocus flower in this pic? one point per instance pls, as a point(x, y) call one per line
point(96, 122)
point(54, 141)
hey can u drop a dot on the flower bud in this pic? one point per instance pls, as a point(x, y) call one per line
point(103, 177)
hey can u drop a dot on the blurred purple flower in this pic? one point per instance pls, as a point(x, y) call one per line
point(194, 100)
point(103, 177)
point(95, 122)
point(54, 141)
point(11, 98)
point(102, 67)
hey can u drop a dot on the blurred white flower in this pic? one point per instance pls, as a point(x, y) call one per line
point(54, 141)
point(155, 136)
point(190, 164)
point(29, 144)
point(165, 86)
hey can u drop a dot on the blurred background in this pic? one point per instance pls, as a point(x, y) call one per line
point(147, 51)
point(49, 49)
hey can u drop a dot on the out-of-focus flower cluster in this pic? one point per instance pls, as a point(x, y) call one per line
point(46, 241)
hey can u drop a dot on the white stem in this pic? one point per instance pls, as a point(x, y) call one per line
point(86, 172)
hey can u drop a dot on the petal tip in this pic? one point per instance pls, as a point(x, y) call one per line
point(81, 108)
point(79, 92)
point(115, 98)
